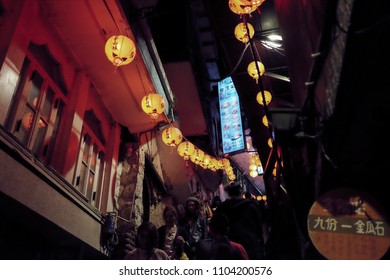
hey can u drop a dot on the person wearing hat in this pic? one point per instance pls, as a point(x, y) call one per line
point(245, 220)
point(195, 224)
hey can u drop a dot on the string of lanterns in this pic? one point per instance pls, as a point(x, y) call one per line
point(173, 137)
point(244, 32)
point(254, 165)
point(121, 50)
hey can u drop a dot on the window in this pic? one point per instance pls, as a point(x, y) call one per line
point(37, 107)
point(90, 167)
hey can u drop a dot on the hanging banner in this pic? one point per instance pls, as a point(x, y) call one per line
point(230, 116)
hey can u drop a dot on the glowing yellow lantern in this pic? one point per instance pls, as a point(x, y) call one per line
point(257, 2)
point(197, 156)
point(153, 104)
point(172, 136)
point(186, 149)
point(242, 6)
point(252, 159)
point(204, 164)
point(120, 50)
point(253, 173)
point(225, 162)
point(267, 95)
point(264, 120)
point(206, 161)
point(241, 32)
point(253, 72)
point(269, 142)
point(213, 164)
point(253, 167)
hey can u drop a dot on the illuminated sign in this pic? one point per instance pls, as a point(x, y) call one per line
point(347, 224)
point(230, 115)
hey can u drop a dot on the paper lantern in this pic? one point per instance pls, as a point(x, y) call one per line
point(257, 2)
point(172, 136)
point(197, 156)
point(241, 32)
point(269, 142)
point(186, 149)
point(220, 164)
point(153, 104)
point(120, 50)
point(253, 167)
point(226, 162)
point(267, 95)
point(253, 173)
point(264, 120)
point(254, 72)
point(213, 165)
point(205, 161)
point(241, 7)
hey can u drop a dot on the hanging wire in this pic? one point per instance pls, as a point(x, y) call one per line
point(234, 68)
point(142, 76)
point(256, 57)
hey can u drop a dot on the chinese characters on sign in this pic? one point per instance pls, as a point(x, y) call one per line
point(230, 115)
point(347, 224)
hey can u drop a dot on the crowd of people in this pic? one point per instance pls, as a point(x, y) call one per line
point(229, 229)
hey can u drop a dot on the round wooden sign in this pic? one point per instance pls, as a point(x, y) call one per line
point(347, 224)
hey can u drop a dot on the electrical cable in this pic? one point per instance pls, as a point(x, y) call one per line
point(234, 68)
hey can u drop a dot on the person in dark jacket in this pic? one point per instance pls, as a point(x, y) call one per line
point(219, 247)
point(245, 220)
point(195, 224)
point(215, 203)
